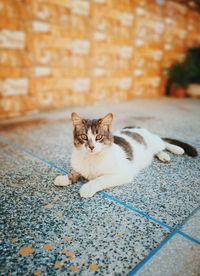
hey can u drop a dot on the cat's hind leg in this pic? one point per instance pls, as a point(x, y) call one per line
point(163, 156)
point(174, 149)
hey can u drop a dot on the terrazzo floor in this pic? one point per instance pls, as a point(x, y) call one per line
point(148, 227)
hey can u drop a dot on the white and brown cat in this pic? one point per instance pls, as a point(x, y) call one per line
point(108, 160)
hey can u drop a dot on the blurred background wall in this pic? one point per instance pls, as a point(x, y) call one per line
point(56, 53)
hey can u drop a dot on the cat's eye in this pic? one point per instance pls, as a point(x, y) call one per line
point(99, 137)
point(83, 136)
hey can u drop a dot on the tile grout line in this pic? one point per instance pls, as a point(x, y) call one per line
point(137, 211)
point(8, 142)
point(30, 153)
point(176, 231)
point(155, 220)
point(145, 260)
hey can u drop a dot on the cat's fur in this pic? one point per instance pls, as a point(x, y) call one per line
point(114, 160)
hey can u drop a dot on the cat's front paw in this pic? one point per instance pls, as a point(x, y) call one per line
point(87, 190)
point(62, 180)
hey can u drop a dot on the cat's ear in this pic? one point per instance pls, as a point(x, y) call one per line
point(107, 120)
point(76, 119)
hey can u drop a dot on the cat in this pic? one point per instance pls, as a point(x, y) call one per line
point(108, 160)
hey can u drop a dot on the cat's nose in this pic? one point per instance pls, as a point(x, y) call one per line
point(91, 147)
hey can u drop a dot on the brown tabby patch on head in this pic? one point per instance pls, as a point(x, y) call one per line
point(137, 137)
point(125, 146)
point(96, 128)
point(77, 132)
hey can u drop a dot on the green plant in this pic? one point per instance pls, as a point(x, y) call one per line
point(178, 75)
point(192, 65)
point(194, 4)
point(182, 74)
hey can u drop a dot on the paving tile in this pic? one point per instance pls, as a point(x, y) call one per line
point(49, 230)
point(50, 140)
point(177, 257)
point(167, 192)
point(192, 227)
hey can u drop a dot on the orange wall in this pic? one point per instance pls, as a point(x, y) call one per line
point(57, 53)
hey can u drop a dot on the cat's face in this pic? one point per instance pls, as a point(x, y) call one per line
point(92, 136)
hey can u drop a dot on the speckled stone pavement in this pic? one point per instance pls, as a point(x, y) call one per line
point(148, 227)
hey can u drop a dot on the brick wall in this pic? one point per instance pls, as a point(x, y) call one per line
point(56, 53)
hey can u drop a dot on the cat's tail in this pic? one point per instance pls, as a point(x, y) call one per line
point(175, 146)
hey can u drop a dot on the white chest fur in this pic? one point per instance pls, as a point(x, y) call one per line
point(93, 165)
